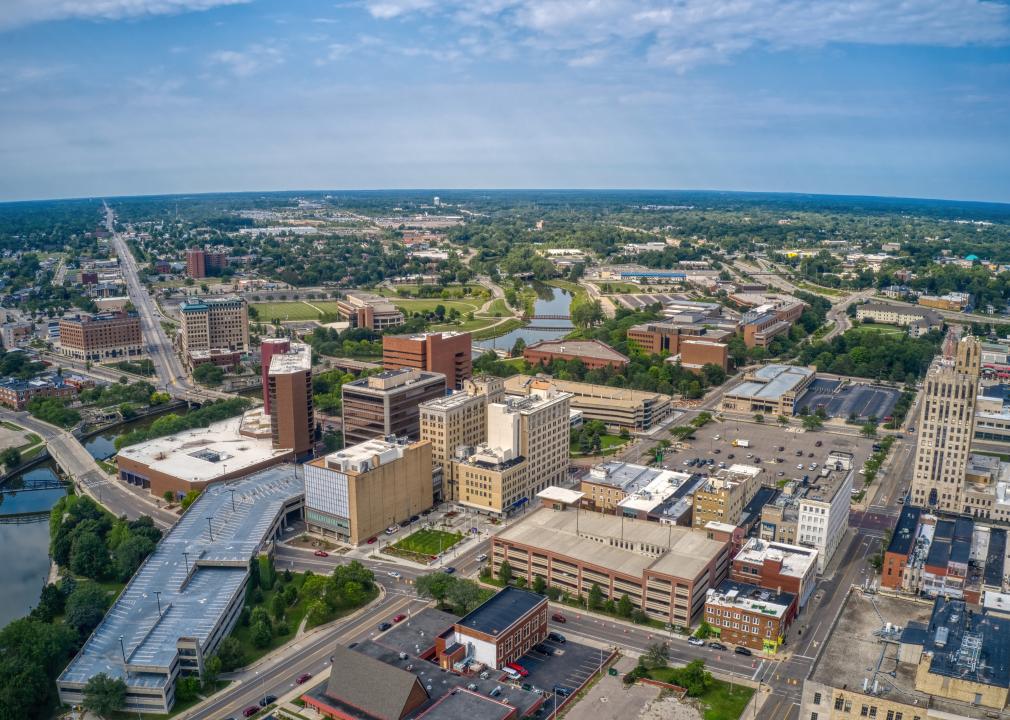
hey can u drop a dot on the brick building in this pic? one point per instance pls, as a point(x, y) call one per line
point(593, 353)
point(449, 353)
point(214, 324)
point(289, 395)
point(498, 632)
point(387, 403)
point(101, 337)
point(750, 616)
point(200, 263)
point(777, 566)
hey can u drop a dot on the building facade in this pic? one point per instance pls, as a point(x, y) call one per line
point(101, 337)
point(723, 497)
point(388, 404)
point(366, 310)
point(748, 615)
point(777, 566)
point(946, 427)
point(356, 493)
point(214, 324)
point(498, 632)
point(770, 390)
point(289, 391)
point(591, 353)
point(449, 353)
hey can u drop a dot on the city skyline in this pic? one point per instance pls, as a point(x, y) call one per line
point(188, 96)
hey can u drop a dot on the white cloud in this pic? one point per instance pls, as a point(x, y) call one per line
point(686, 33)
point(16, 13)
point(243, 63)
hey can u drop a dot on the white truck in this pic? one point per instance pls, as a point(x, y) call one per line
point(741, 443)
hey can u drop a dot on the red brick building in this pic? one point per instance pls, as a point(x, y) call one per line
point(777, 566)
point(449, 353)
point(747, 615)
point(593, 353)
point(499, 632)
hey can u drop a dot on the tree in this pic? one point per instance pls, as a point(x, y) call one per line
point(434, 585)
point(595, 597)
point(783, 420)
point(85, 608)
point(868, 430)
point(130, 554)
point(89, 556)
point(211, 669)
point(704, 630)
point(587, 314)
point(208, 374)
point(189, 498)
point(230, 654)
point(539, 585)
point(11, 458)
point(104, 695)
point(518, 347)
point(465, 595)
point(260, 634)
point(278, 606)
point(624, 606)
point(187, 687)
point(758, 417)
point(656, 656)
point(169, 496)
point(812, 422)
point(505, 572)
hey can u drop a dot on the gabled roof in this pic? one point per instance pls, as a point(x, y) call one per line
point(377, 689)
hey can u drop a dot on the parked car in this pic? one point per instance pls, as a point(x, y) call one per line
point(321, 553)
point(556, 637)
point(543, 649)
point(448, 569)
point(383, 626)
point(695, 641)
point(250, 711)
point(512, 674)
point(818, 443)
point(304, 677)
point(399, 618)
point(717, 646)
point(482, 557)
point(392, 529)
point(371, 540)
point(266, 700)
point(562, 691)
point(741, 650)
point(731, 456)
point(414, 518)
point(799, 466)
point(559, 618)
point(518, 668)
point(393, 574)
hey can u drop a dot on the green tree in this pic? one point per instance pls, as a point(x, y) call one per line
point(104, 695)
point(518, 347)
point(130, 554)
point(704, 630)
point(260, 634)
point(230, 654)
point(587, 314)
point(783, 420)
point(812, 422)
point(278, 606)
point(505, 572)
point(85, 608)
point(539, 585)
point(868, 430)
point(189, 498)
point(187, 687)
point(11, 458)
point(169, 496)
point(595, 597)
point(758, 417)
point(656, 655)
point(208, 374)
point(211, 669)
point(89, 556)
point(624, 606)
point(434, 585)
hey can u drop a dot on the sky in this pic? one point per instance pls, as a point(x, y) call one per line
point(872, 97)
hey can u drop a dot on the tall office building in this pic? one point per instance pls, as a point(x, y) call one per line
point(946, 427)
point(101, 337)
point(268, 348)
point(449, 353)
point(289, 394)
point(387, 404)
point(200, 263)
point(458, 421)
point(214, 324)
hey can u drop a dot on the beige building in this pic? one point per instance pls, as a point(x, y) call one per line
point(665, 570)
point(526, 449)
point(458, 421)
point(616, 408)
point(101, 337)
point(214, 324)
point(905, 659)
point(919, 321)
point(723, 497)
point(770, 390)
point(946, 428)
point(356, 493)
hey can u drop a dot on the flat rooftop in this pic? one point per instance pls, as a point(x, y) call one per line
point(559, 494)
point(393, 381)
point(583, 348)
point(683, 552)
point(503, 610)
point(197, 574)
point(796, 560)
point(362, 457)
point(297, 359)
point(744, 596)
point(206, 454)
point(587, 393)
point(771, 382)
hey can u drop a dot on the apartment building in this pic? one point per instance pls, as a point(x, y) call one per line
point(101, 337)
point(954, 301)
point(919, 321)
point(946, 427)
point(748, 615)
point(722, 497)
point(366, 310)
point(664, 570)
point(823, 515)
point(356, 493)
point(268, 348)
point(526, 450)
point(449, 353)
point(16, 393)
point(289, 392)
point(777, 566)
point(591, 353)
point(387, 404)
point(617, 408)
point(213, 324)
point(200, 263)
point(458, 421)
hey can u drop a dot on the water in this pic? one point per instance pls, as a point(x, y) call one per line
point(102, 447)
point(26, 544)
point(554, 301)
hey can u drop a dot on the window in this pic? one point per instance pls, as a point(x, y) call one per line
point(864, 711)
point(839, 703)
point(817, 700)
point(813, 716)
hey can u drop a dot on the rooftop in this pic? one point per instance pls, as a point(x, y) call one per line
point(646, 488)
point(394, 380)
point(451, 401)
point(594, 538)
point(196, 574)
point(562, 495)
point(771, 382)
point(503, 610)
point(362, 457)
point(201, 304)
point(297, 359)
point(583, 348)
point(586, 393)
point(750, 598)
point(796, 561)
point(206, 454)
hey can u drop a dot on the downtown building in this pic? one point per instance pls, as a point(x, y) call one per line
point(214, 330)
point(946, 428)
point(288, 395)
point(387, 403)
point(101, 337)
point(449, 353)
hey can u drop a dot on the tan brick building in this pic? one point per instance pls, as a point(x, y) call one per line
point(214, 324)
point(101, 337)
point(723, 497)
point(592, 353)
point(356, 493)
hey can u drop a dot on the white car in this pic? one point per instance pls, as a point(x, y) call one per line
point(695, 641)
point(799, 467)
point(482, 557)
point(393, 574)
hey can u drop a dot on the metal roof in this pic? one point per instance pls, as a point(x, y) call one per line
point(501, 611)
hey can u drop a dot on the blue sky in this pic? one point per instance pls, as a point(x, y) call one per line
point(111, 97)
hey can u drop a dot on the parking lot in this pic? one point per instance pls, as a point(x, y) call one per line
point(714, 442)
point(568, 666)
point(844, 399)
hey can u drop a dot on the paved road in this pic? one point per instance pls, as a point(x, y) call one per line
point(78, 464)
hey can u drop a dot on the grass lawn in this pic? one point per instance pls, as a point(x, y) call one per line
point(723, 701)
point(428, 542)
point(285, 311)
point(607, 444)
point(499, 330)
point(876, 328)
point(478, 323)
point(614, 288)
point(499, 306)
point(10, 425)
point(429, 305)
point(820, 289)
point(575, 289)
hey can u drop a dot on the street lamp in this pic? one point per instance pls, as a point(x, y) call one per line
point(210, 528)
point(157, 594)
point(185, 556)
point(122, 647)
point(232, 491)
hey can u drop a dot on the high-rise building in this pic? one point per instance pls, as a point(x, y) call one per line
point(268, 348)
point(449, 353)
point(101, 337)
point(387, 404)
point(458, 421)
point(946, 427)
point(214, 324)
point(289, 394)
point(525, 451)
point(200, 263)
point(356, 493)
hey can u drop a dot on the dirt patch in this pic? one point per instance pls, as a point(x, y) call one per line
point(667, 707)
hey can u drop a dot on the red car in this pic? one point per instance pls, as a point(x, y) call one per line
point(371, 540)
point(321, 553)
point(518, 668)
point(250, 711)
point(559, 618)
point(400, 618)
point(303, 677)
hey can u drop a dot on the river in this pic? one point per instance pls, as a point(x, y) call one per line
point(550, 301)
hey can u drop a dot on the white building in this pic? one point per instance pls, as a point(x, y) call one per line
point(824, 516)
